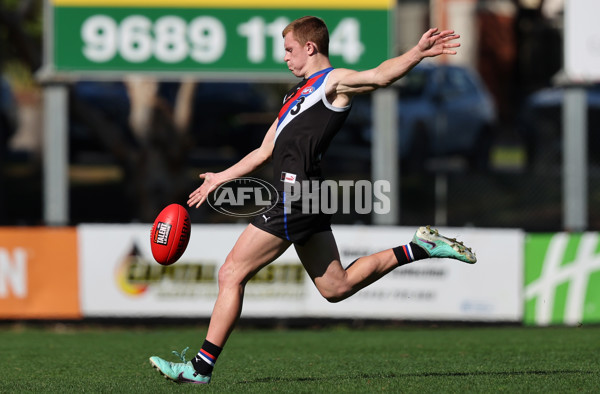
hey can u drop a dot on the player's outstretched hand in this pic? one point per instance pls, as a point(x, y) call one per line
point(434, 43)
point(198, 196)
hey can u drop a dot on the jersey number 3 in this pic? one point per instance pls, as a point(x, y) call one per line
point(296, 109)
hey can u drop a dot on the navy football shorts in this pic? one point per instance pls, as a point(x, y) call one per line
point(293, 226)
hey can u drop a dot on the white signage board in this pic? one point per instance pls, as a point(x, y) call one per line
point(120, 278)
point(582, 40)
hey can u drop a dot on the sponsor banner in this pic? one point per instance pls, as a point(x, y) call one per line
point(120, 278)
point(237, 40)
point(38, 273)
point(562, 279)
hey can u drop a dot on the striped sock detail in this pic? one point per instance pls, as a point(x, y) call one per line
point(408, 253)
point(207, 357)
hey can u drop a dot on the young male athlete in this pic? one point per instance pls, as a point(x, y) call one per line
point(312, 113)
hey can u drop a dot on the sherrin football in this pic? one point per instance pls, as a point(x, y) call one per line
point(170, 234)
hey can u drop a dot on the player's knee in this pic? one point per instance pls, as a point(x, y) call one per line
point(336, 294)
point(225, 277)
point(228, 276)
point(334, 299)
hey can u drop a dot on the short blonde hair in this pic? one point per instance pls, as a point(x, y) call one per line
point(310, 28)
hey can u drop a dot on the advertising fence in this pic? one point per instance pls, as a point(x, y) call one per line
point(108, 271)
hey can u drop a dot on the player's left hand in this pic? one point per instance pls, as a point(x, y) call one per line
point(434, 43)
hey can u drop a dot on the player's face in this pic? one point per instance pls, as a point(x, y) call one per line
point(295, 55)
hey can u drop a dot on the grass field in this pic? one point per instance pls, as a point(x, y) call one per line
point(333, 360)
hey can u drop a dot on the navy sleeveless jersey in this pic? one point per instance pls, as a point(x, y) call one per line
point(307, 123)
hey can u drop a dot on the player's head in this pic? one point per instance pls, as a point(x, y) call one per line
point(310, 28)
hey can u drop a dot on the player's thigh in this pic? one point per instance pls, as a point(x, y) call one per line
point(254, 249)
point(321, 259)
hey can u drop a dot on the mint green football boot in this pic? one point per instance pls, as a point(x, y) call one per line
point(436, 245)
point(183, 372)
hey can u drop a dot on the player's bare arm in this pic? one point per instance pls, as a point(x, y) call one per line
point(346, 83)
point(246, 165)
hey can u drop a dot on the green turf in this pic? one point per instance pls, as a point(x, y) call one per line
point(415, 360)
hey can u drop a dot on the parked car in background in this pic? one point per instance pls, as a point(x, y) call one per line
point(8, 114)
point(541, 128)
point(443, 110)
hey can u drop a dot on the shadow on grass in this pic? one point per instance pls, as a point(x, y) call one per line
point(423, 374)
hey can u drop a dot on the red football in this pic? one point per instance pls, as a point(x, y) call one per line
point(170, 234)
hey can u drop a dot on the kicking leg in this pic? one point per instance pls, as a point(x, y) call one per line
point(321, 260)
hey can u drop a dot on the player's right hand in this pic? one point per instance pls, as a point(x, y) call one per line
point(198, 196)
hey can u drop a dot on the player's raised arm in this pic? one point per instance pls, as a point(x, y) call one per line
point(246, 165)
point(431, 44)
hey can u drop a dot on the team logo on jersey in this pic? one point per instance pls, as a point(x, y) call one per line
point(307, 90)
point(287, 177)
